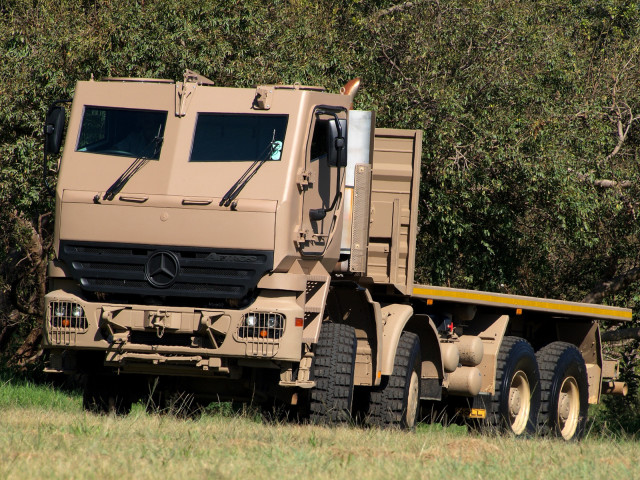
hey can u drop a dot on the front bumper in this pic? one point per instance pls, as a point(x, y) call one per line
point(269, 330)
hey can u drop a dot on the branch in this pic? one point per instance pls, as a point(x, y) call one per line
point(34, 245)
point(621, 334)
point(396, 8)
point(393, 64)
point(603, 183)
point(612, 183)
point(622, 134)
point(621, 110)
point(611, 286)
point(29, 280)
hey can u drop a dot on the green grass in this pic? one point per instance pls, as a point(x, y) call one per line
point(20, 393)
point(45, 434)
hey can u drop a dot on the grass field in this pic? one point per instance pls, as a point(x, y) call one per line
point(45, 434)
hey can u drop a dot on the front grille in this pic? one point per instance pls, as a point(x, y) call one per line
point(156, 270)
point(109, 266)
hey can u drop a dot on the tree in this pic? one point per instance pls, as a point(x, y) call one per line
point(530, 119)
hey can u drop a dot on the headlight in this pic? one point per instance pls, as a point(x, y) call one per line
point(250, 320)
point(264, 325)
point(66, 315)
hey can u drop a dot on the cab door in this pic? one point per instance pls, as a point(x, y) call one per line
point(324, 171)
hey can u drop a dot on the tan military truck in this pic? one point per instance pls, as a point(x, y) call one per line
point(258, 245)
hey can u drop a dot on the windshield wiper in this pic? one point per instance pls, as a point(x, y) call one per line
point(275, 147)
point(134, 168)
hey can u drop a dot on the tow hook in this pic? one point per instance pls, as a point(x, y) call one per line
point(157, 320)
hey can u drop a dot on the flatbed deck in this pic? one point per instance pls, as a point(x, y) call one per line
point(559, 307)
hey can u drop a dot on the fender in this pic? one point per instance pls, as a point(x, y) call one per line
point(353, 305)
point(398, 318)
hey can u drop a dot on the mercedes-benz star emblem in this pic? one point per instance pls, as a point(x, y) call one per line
point(162, 269)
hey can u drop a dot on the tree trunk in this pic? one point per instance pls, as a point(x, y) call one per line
point(10, 326)
point(30, 349)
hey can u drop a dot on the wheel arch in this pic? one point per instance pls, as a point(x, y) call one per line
point(586, 337)
point(353, 305)
point(399, 318)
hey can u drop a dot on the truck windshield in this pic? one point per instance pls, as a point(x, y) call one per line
point(122, 132)
point(221, 137)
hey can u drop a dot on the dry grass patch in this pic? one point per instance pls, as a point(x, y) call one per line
point(53, 443)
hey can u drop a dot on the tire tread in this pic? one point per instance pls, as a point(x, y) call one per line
point(495, 421)
point(333, 370)
point(386, 404)
point(549, 358)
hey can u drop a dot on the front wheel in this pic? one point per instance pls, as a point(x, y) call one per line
point(565, 391)
point(397, 402)
point(333, 369)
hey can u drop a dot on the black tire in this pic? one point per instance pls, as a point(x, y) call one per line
point(397, 402)
point(515, 404)
point(565, 391)
point(106, 394)
point(333, 368)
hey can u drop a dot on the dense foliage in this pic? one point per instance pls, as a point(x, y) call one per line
point(530, 112)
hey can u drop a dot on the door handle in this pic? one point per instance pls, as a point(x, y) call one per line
point(133, 198)
point(196, 201)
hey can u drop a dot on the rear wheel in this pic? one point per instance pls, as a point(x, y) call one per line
point(397, 402)
point(333, 368)
point(565, 391)
point(515, 404)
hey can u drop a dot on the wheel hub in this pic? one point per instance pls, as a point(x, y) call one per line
point(565, 407)
point(568, 407)
point(413, 400)
point(514, 401)
point(519, 402)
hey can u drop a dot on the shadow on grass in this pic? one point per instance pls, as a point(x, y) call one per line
point(616, 418)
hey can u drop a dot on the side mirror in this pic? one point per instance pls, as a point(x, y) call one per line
point(337, 143)
point(54, 129)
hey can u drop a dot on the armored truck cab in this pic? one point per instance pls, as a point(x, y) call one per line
point(258, 245)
